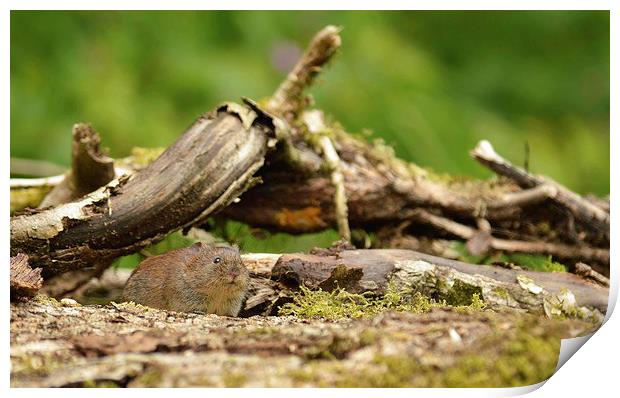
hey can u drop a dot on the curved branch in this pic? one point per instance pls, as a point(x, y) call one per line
point(204, 170)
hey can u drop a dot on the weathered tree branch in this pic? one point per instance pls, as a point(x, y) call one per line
point(207, 168)
point(289, 98)
point(588, 213)
point(555, 249)
point(91, 168)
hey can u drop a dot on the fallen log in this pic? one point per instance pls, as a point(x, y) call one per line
point(372, 270)
point(275, 279)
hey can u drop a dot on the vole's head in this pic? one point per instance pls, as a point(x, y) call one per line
point(214, 268)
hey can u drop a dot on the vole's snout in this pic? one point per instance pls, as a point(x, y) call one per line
point(233, 275)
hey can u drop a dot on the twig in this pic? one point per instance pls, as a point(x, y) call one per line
point(52, 181)
point(340, 197)
point(583, 210)
point(288, 99)
point(34, 167)
point(555, 249)
point(587, 272)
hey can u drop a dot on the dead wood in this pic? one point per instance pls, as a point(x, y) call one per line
point(372, 270)
point(583, 210)
point(471, 234)
point(202, 172)
point(91, 168)
point(587, 272)
point(289, 98)
point(363, 186)
point(276, 278)
point(25, 281)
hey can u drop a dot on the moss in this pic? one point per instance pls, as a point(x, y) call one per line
point(368, 337)
point(534, 262)
point(339, 346)
point(43, 299)
point(27, 197)
point(340, 304)
point(461, 294)
point(563, 305)
point(99, 384)
point(33, 365)
point(234, 379)
point(521, 356)
point(150, 378)
point(501, 292)
point(141, 157)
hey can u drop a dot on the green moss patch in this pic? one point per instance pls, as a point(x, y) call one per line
point(340, 304)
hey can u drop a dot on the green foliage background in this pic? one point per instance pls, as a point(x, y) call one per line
point(430, 83)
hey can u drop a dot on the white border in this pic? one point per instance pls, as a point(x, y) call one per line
point(592, 372)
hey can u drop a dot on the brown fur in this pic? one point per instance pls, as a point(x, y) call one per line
point(189, 280)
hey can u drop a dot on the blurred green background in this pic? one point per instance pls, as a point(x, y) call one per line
point(430, 83)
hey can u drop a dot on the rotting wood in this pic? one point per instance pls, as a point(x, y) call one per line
point(25, 281)
point(91, 168)
point(583, 210)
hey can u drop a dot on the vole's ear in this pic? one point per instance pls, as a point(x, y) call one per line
point(196, 246)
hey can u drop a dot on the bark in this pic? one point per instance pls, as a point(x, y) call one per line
point(91, 168)
point(208, 167)
point(588, 213)
point(25, 281)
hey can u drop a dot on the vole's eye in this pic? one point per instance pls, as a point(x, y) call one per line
point(216, 260)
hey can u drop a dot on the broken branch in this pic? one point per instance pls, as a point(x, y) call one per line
point(555, 249)
point(288, 99)
point(583, 210)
